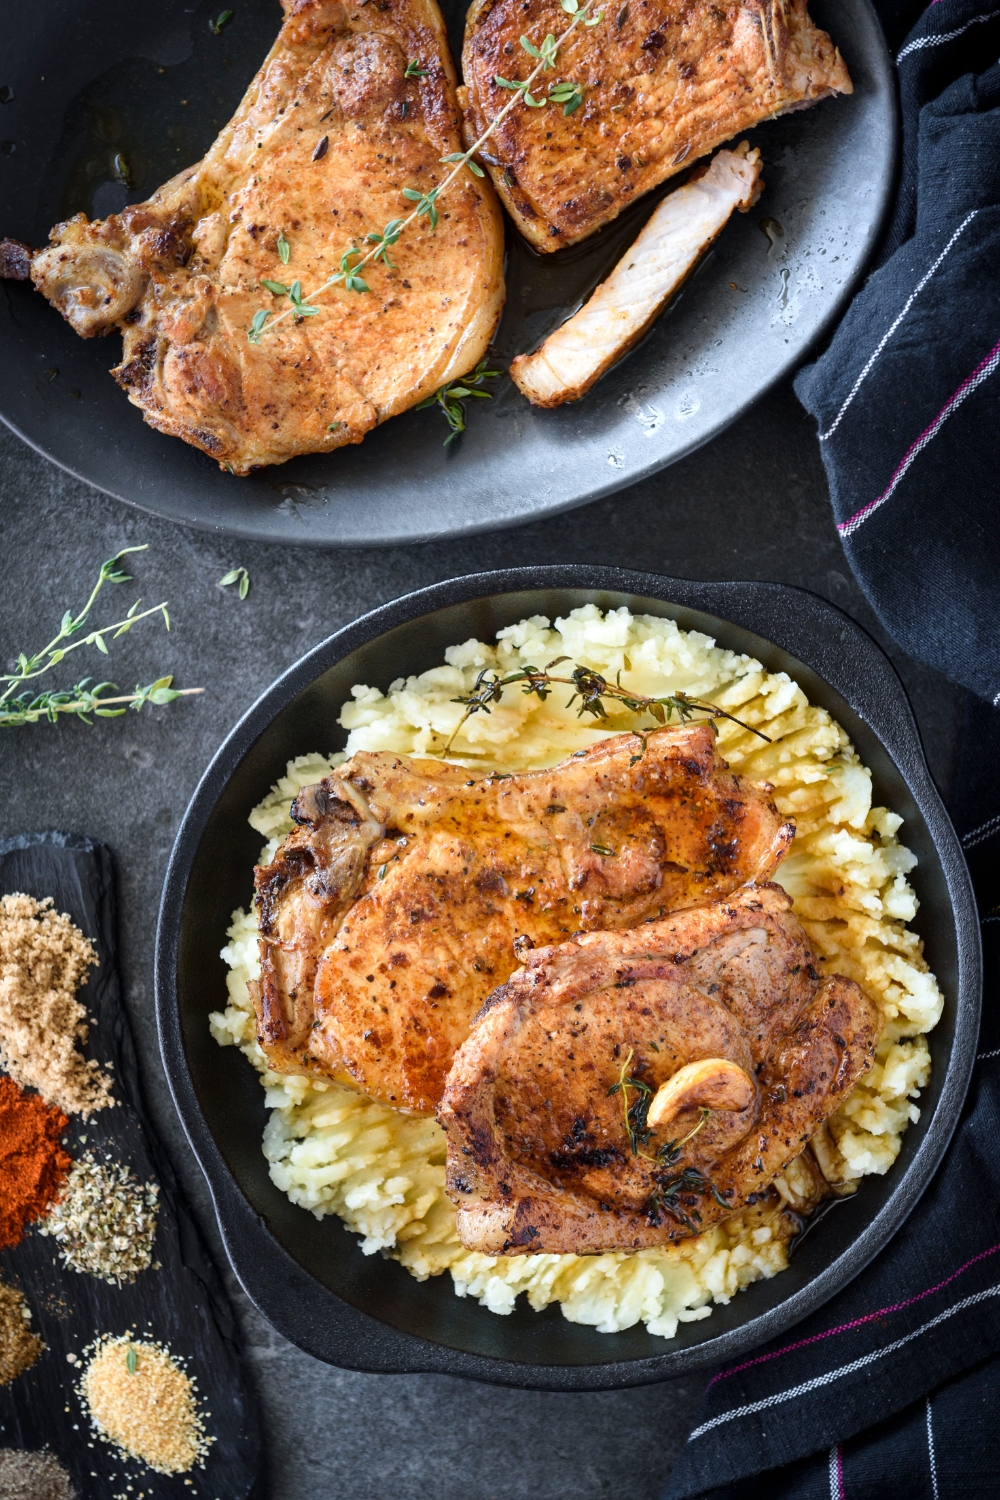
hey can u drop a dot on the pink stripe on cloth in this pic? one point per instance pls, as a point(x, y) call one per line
point(982, 372)
point(763, 1359)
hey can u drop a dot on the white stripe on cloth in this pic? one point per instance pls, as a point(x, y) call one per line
point(819, 1381)
point(930, 1452)
point(836, 1493)
point(972, 383)
point(942, 36)
point(823, 436)
point(982, 832)
point(985, 1056)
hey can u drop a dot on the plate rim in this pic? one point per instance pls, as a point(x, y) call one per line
point(364, 1343)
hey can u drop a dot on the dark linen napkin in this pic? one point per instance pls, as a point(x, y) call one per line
point(907, 396)
point(892, 1390)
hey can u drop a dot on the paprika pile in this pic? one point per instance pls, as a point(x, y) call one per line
point(33, 1165)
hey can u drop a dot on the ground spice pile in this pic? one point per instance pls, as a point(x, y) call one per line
point(141, 1400)
point(44, 959)
point(19, 1347)
point(33, 1476)
point(33, 1165)
point(104, 1220)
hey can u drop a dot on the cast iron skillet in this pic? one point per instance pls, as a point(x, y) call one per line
point(306, 1275)
point(151, 83)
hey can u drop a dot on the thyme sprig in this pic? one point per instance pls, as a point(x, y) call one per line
point(636, 1113)
point(591, 689)
point(21, 705)
point(451, 398)
point(425, 202)
point(666, 1195)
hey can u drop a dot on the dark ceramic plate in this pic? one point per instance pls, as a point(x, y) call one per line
point(307, 1275)
point(152, 82)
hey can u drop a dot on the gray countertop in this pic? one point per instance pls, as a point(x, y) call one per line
point(753, 504)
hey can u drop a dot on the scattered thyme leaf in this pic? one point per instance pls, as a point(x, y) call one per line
point(277, 287)
point(415, 69)
point(131, 1362)
point(257, 326)
point(222, 20)
point(237, 575)
point(284, 248)
point(450, 397)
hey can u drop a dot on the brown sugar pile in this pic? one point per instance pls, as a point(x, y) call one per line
point(19, 1347)
point(44, 959)
point(142, 1401)
point(33, 1476)
point(33, 1165)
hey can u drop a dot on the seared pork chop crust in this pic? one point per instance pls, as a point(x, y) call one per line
point(401, 900)
point(328, 135)
point(665, 82)
point(719, 1007)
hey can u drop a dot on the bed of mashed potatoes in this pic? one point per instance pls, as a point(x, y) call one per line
point(334, 1151)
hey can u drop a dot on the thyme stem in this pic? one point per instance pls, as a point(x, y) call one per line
point(590, 687)
point(260, 325)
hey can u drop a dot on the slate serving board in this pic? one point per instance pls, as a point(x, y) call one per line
point(183, 1304)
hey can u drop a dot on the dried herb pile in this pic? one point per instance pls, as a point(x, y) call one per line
point(104, 1220)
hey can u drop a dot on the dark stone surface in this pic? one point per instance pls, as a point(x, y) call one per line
point(753, 505)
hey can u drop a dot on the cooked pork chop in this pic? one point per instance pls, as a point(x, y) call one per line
point(664, 82)
point(327, 136)
point(402, 898)
point(732, 1048)
point(618, 314)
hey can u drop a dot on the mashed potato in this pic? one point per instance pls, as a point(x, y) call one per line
point(336, 1152)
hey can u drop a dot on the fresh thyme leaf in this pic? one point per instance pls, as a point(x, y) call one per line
point(450, 398)
point(425, 203)
point(389, 236)
point(463, 156)
point(222, 20)
point(414, 69)
point(334, 426)
point(302, 308)
point(284, 248)
point(594, 20)
point(237, 575)
point(130, 1359)
point(277, 287)
point(603, 849)
point(546, 53)
point(257, 326)
point(569, 95)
